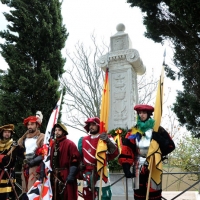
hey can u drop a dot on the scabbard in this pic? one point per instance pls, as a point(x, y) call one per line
point(137, 175)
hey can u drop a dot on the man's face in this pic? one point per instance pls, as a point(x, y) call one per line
point(32, 127)
point(58, 132)
point(94, 129)
point(143, 115)
point(6, 134)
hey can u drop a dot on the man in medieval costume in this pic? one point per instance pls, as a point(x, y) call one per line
point(7, 162)
point(135, 149)
point(65, 160)
point(31, 142)
point(87, 147)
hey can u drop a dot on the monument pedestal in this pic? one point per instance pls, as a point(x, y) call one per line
point(124, 64)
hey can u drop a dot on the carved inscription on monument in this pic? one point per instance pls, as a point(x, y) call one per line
point(119, 42)
point(119, 96)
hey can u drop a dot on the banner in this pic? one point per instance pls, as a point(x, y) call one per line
point(104, 115)
point(47, 139)
point(159, 102)
point(42, 188)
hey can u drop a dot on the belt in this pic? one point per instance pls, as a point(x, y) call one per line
point(90, 166)
point(60, 169)
point(29, 156)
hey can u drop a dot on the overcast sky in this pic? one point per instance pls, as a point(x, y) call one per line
point(83, 17)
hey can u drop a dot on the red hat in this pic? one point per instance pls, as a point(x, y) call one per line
point(144, 107)
point(95, 120)
point(32, 119)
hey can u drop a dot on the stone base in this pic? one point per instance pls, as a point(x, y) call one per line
point(189, 195)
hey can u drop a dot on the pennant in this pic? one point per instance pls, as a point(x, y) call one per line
point(47, 139)
point(40, 190)
point(104, 114)
point(154, 153)
point(102, 146)
point(159, 102)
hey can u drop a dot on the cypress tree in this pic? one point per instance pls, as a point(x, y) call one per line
point(34, 39)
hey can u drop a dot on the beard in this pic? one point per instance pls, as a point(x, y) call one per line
point(59, 136)
point(93, 132)
point(31, 130)
point(6, 137)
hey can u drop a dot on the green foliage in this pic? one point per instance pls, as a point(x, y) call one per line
point(187, 155)
point(34, 40)
point(113, 164)
point(178, 22)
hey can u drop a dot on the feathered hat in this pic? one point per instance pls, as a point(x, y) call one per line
point(37, 119)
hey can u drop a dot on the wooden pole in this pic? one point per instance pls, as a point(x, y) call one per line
point(126, 188)
point(149, 180)
point(42, 187)
point(100, 183)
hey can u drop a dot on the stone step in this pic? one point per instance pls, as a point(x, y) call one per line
point(189, 195)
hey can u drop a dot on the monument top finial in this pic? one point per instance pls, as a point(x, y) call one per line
point(120, 27)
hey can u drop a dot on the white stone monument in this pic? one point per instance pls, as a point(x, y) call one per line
point(124, 64)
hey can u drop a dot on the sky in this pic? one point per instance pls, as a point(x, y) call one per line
point(84, 17)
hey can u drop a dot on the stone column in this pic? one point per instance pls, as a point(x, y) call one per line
point(124, 64)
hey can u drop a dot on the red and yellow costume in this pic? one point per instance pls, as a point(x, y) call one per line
point(135, 149)
point(87, 147)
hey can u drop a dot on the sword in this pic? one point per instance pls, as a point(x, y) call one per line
point(63, 187)
point(59, 182)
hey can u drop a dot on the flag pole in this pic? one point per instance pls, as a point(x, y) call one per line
point(104, 116)
point(100, 184)
point(149, 179)
point(52, 121)
point(104, 122)
point(157, 116)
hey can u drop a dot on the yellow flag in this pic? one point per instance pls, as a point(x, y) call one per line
point(104, 115)
point(159, 102)
point(154, 153)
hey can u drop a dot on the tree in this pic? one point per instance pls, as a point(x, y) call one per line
point(84, 82)
point(33, 43)
point(186, 156)
point(177, 21)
